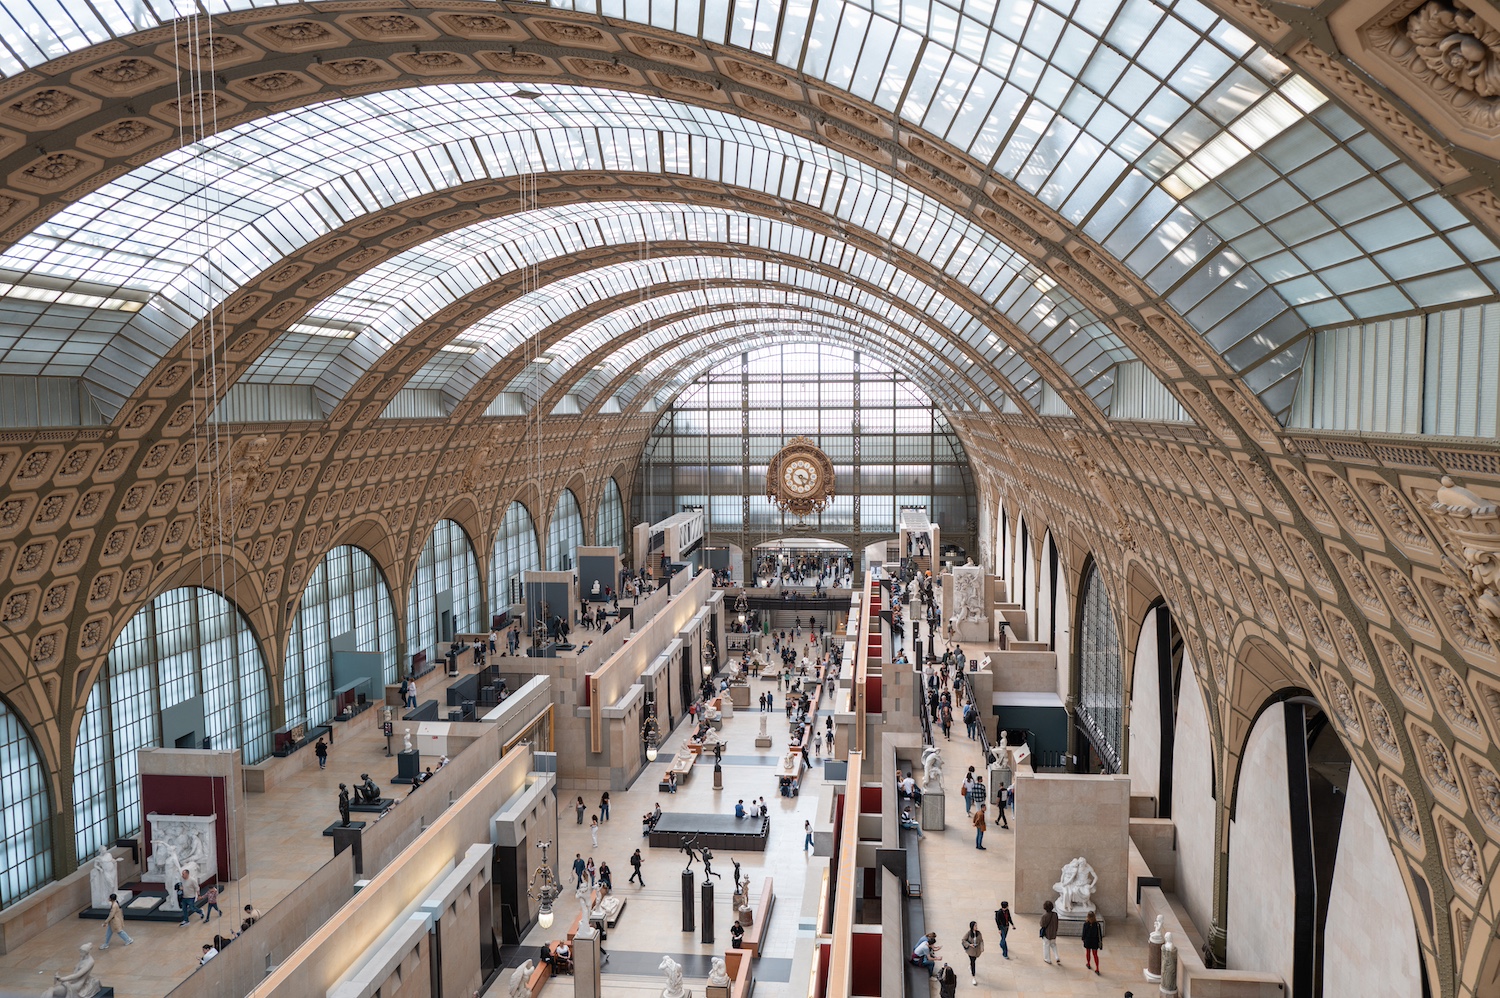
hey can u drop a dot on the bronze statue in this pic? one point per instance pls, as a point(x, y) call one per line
point(367, 792)
point(344, 804)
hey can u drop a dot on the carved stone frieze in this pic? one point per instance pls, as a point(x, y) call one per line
point(1473, 543)
point(1449, 48)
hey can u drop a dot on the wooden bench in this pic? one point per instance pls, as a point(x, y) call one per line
point(682, 767)
point(543, 971)
point(755, 932)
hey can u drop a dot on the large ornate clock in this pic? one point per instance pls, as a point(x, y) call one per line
point(799, 479)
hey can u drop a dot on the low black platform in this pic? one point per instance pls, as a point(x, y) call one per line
point(380, 806)
point(720, 832)
point(339, 824)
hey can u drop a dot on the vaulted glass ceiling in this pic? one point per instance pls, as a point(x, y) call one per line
point(351, 328)
point(1230, 185)
point(506, 332)
point(267, 187)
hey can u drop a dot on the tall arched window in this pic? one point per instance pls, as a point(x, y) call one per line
point(445, 597)
point(187, 643)
point(609, 524)
point(25, 813)
point(346, 594)
point(565, 532)
point(516, 551)
point(1101, 678)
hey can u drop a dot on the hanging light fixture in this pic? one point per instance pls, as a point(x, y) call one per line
point(742, 607)
point(544, 888)
point(651, 734)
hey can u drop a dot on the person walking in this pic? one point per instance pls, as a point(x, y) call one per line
point(591, 871)
point(594, 830)
point(1093, 941)
point(209, 901)
point(321, 750)
point(1000, 810)
point(1048, 932)
point(973, 944)
point(1003, 922)
point(968, 785)
point(189, 905)
point(579, 869)
point(979, 827)
point(977, 794)
point(635, 867)
point(604, 806)
point(580, 809)
point(807, 836)
point(114, 923)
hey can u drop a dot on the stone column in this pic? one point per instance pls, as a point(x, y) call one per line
point(586, 962)
point(1168, 987)
point(1153, 953)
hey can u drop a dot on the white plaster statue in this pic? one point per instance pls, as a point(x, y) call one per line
point(79, 982)
point(718, 976)
point(1075, 891)
point(1156, 936)
point(672, 971)
point(932, 770)
point(520, 986)
point(585, 907)
point(763, 725)
point(609, 909)
point(595, 591)
point(104, 878)
point(181, 842)
point(406, 740)
point(968, 594)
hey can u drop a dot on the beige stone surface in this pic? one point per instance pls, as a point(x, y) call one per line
point(1069, 816)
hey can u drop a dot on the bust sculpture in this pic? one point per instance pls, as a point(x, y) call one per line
point(520, 980)
point(672, 971)
point(104, 878)
point(718, 976)
point(1075, 891)
point(79, 982)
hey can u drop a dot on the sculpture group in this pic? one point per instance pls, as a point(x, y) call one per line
point(1076, 888)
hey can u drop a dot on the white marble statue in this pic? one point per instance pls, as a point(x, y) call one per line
point(932, 770)
point(718, 976)
point(584, 905)
point(763, 725)
point(968, 594)
point(406, 740)
point(672, 971)
point(79, 982)
point(181, 842)
point(520, 980)
point(1075, 891)
point(104, 878)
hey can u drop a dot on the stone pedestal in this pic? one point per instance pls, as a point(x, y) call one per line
point(716, 991)
point(718, 777)
point(1153, 961)
point(934, 812)
point(708, 912)
point(1072, 925)
point(408, 766)
point(689, 922)
point(586, 962)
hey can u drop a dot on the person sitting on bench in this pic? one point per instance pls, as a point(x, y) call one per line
point(564, 963)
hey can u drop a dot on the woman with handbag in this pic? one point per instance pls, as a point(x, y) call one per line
point(973, 943)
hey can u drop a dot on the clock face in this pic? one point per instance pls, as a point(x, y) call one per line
point(799, 476)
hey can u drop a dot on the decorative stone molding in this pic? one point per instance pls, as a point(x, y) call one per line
point(1473, 551)
point(1403, 810)
point(1450, 49)
point(1464, 862)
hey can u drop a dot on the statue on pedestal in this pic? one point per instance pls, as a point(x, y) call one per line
point(932, 769)
point(1168, 985)
point(672, 971)
point(79, 982)
point(104, 878)
point(344, 804)
point(406, 740)
point(520, 980)
point(584, 907)
point(1153, 952)
point(718, 976)
point(367, 792)
point(1075, 891)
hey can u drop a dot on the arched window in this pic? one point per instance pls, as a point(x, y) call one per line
point(1101, 678)
point(25, 813)
point(188, 644)
point(345, 595)
point(565, 532)
point(445, 597)
point(516, 551)
point(609, 524)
